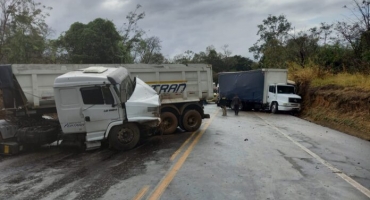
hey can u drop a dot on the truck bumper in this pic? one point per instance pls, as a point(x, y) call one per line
point(289, 108)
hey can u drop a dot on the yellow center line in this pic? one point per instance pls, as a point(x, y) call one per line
point(161, 187)
point(141, 193)
point(174, 155)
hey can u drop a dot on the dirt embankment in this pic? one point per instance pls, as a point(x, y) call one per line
point(342, 108)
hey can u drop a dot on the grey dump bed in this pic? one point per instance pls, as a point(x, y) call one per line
point(176, 82)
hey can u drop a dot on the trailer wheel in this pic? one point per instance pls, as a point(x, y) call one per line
point(124, 137)
point(274, 108)
point(169, 122)
point(192, 120)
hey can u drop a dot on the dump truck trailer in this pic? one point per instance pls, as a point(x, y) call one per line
point(183, 89)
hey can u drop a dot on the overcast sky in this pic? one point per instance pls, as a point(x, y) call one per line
point(195, 24)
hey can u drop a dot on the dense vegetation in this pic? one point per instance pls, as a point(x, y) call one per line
point(339, 47)
point(343, 46)
point(335, 55)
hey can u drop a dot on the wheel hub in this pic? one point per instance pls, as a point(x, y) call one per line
point(167, 123)
point(191, 121)
point(125, 135)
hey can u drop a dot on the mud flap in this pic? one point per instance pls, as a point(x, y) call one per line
point(206, 116)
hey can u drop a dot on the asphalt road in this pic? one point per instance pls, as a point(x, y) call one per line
point(254, 155)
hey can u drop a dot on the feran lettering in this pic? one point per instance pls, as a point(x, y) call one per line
point(170, 88)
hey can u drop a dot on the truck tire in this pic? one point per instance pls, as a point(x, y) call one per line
point(124, 137)
point(169, 123)
point(191, 120)
point(274, 108)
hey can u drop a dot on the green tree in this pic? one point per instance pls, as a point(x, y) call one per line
point(354, 34)
point(228, 60)
point(131, 35)
point(334, 58)
point(242, 63)
point(273, 33)
point(221, 61)
point(95, 42)
point(185, 58)
point(350, 34)
point(157, 58)
point(274, 55)
point(145, 50)
point(301, 47)
point(199, 57)
point(54, 53)
point(23, 31)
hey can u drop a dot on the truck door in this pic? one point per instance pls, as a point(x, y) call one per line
point(99, 110)
point(271, 94)
point(69, 110)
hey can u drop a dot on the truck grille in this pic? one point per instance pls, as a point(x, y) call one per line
point(295, 100)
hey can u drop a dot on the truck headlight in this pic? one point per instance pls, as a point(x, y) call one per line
point(285, 104)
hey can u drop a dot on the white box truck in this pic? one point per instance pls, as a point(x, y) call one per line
point(93, 104)
point(260, 89)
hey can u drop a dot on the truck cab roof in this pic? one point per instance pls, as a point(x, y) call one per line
point(91, 75)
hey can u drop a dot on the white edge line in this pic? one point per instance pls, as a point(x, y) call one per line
point(339, 173)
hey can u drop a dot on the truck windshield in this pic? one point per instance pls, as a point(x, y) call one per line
point(285, 89)
point(127, 87)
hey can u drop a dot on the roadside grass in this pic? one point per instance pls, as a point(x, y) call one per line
point(359, 81)
point(317, 77)
point(339, 101)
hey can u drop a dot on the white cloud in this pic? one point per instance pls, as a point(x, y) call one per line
point(113, 4)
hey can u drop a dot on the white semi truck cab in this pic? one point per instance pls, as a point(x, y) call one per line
point(104, 103)
point(93, 105)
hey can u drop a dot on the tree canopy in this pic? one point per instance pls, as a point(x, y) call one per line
point(341, 46)
point(95, 42)
point(23, 31)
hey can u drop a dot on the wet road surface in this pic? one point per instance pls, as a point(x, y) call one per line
point(255, 155)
